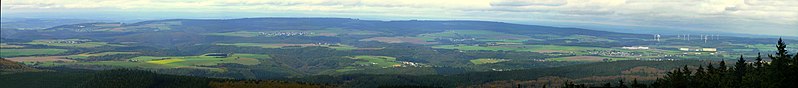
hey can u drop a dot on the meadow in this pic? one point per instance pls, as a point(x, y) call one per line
point(4, 45)
point(193, 62)
point(412, 40)
point(202, 60)
point(487, 61)
point(23, 52)
point(479, 35)
point(375, 61)
point(263, 45)
point(87, 55)
point(85, 44)
point(323, 32)
point(527, 48)
point(770, 47)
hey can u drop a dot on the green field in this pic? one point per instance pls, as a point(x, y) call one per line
point(375, 61)
point(586, 38)
point(324, 32)
point(194, 62)
point(528, 48)
point(4, 45)
point(87, 55)
point(80, 45)
point(244, 59)
point(487, 61)
point(21, 52)
point(237, 34)
point(588, 58)
point(262, 45)
point(771, 47)
point(479, 35)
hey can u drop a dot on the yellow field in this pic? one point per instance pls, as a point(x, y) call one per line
point(167, 61)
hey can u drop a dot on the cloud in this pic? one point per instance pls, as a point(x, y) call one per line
point(714, 15)
point(528, 3)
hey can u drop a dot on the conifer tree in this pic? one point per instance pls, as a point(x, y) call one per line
point(621, 84)
point(636, 84)
point(739, 71)
point(722, 66)
point(758, 62)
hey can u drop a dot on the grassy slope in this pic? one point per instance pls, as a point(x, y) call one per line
point(8, 66)
point(194, 62)
point(21, 52)
point(4, 45)
point(262, 45)
point(481, 35)
point(80, 45)
point(86, 55)
point(530, 48)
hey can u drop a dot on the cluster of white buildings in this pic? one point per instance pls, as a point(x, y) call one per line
point(699, 49)
point(67, 41)
point(285, 33)
point(636, 48)
point(462, 39)
point(410, 64)
point(613, 53)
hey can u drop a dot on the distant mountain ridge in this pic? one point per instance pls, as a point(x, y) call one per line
point(396, 27)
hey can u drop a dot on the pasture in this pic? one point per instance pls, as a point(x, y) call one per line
point(82, 44)
point(192, 62)
point(771, 47)
point(23, 52)
point(375, 61)
point(202, 60)
point(578, 58)
point(4, 45)
point(487, 61)
point(263, 45)
point(323, 32)
point(87, 55)
point(587, 38)
point(479, 35)
point(527, 48)
point(40, 59)
point(412, 40)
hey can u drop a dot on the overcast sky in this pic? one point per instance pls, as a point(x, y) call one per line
point(770, 17)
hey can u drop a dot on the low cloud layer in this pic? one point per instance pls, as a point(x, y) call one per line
point(773, 17)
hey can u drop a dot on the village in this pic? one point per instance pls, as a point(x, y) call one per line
point(285, 33)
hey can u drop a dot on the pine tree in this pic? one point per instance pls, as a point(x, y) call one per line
point(795, 57)
point(700, 77)
point(621, 84)
point(722, 66)
point(636, 84)
point(739, 71)
point(779, 59)
point(711, 69)
point(758, 62)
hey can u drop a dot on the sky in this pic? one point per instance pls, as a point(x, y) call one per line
point(762, 17)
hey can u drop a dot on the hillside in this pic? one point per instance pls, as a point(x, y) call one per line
point(7, 67)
